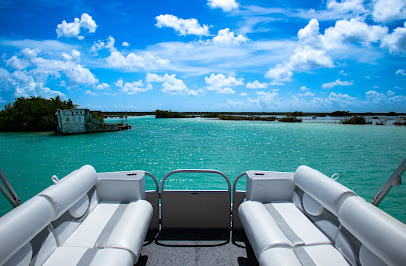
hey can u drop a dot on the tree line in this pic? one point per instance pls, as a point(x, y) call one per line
point(32, 114)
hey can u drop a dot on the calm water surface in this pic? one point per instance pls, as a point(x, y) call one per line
point(364, 156)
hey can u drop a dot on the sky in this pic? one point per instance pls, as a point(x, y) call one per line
point(207, 55)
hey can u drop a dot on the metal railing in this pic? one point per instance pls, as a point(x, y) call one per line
point(393, 180)
point(195, 209)
point(196, 171)
point(153, 198)
point(238, 198)
point(8, 191)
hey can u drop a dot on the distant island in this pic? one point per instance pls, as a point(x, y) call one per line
point(32, 114)
point(38, 114)
point(354, 118)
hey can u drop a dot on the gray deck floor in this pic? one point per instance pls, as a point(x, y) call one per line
point(196, 247)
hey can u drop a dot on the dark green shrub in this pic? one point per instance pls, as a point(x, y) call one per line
point(32, 114)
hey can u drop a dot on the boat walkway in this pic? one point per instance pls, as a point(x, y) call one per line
point(196, 247)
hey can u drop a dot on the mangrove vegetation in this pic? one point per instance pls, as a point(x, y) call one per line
point(355, 120)
point(32, 114)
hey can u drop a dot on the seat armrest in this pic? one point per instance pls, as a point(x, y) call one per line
point(267, 186)
point(121, 186)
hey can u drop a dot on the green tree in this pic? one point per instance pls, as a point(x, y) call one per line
point(169, 114)
point(340, 113)
point(355, 120)
point(32, 114)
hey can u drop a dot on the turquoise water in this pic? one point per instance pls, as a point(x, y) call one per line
point(364, 156)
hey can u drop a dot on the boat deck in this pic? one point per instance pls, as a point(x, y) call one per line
point(196, 247)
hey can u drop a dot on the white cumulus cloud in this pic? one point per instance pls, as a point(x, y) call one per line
point(280, 73)
point(338, 82)
point(134, 87)
point(257, 85)
point(306, 94)
point(182, 26)
point(80, 75)
point(125, 44)
point(132, 61)
point(75, 55)
point(310, 34)
point(225, 5)
point(314, 48)
point(170, 84)
point(401, 71)
point(396, 41)
point(88, 92)
point(227, 37)
point(222, 84)
point(307, 58)
point(25, 86)
point(108, 44)
point(72, 29)
point(304, 58)
point(346, 6)
point(102, 86)
point(17, 63)
point(352, 31)
point(42, 68)
point(389, 10)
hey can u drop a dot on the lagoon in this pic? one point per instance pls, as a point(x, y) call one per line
point(364, 155)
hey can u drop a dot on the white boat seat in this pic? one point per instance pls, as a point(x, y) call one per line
point(19, 226)
point(278, 224)
point(70, 189)
point(69, 223)
point(111, 225)
point(306, 226)
point(382, 238)
point(80, 256)
point(306, 255)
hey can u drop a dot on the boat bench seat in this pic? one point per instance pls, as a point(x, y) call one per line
point(306, 218)
point(84, 219)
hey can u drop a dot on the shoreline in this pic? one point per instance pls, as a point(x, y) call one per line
point(318, 114)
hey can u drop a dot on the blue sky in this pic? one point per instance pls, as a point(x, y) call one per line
point(207, 55)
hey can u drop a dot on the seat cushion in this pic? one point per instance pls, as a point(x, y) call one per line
point(21, 225)
point(278, 224)
point(70, 189)
point(260, 227)
point(83, 256)
point(306, 255)
point(381, 235)
point(114, 225)
point(290, 218)
point(329, 193)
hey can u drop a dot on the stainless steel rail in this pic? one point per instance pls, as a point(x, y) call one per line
point(238, 198)
point(153, 198)
point(8, 191)
point(236, 180)
point(196, 209)
point(197, 171)
point(155, 180)
point(393, 180)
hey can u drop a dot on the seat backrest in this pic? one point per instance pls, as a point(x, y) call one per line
point(370, 235)
point(319, 198)
point(70, 189)
point(22, 225)
point(72, 198)
point(327, 192)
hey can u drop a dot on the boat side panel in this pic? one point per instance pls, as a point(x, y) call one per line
point(196, 209)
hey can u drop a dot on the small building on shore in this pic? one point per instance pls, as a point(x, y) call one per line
point(76, 121)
